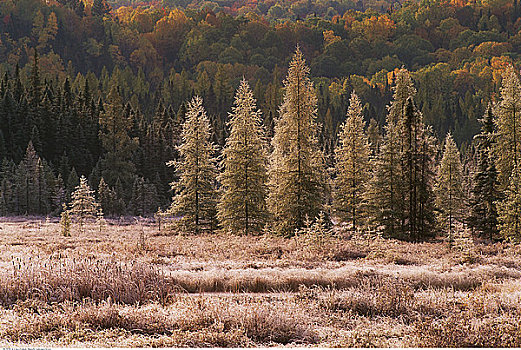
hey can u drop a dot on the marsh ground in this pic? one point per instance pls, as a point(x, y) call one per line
point(133, 285)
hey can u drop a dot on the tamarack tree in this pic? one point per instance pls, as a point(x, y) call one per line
point(195, 196)
point(352, 166)
point(242, 205)
point(449, 187)
point(83, 204)
point(296, 174)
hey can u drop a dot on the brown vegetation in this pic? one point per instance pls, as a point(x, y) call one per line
point(110, 289)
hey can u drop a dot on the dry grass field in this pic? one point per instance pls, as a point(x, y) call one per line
point(132, 285)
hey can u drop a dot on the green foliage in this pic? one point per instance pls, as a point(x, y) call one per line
point(400, 193)
point(485, 184)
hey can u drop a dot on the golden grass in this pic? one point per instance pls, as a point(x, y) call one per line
point(107, 289)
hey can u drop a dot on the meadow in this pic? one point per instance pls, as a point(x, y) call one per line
point(132, 284)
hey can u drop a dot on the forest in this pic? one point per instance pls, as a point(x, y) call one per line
point(400, 117)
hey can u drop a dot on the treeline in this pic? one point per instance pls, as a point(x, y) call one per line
point(399, 181)
point(455, 51)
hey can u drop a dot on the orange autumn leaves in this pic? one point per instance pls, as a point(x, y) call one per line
point(373, 28)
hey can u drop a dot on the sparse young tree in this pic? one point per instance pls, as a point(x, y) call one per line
point(352, 166)
point(65, 221)
point(83, 205)
point(195, 193)
point(296, 174)
point(242, 206)
point(449, 187)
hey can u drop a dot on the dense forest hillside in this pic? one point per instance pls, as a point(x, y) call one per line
point(101, 88)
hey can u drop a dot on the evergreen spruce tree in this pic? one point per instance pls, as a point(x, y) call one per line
point(418, 174)
point(508, 121)
point(400, 194)
point(296, 173)
point(485, 185)
point(352, 166)
point(242, 206)
point(195, 193)
point(72, 182)
point(449, 188)
point(106, 197)
point(115, 125)
point(58, 195)
point(31, 184)
point(83, 203)
point(144, 198)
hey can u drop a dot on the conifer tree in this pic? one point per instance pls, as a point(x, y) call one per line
point(242, 206)
point(107, 198)
point(58, 194)
point(418, 173)
point(65, 221)
point(195, 193)
point(31, 184)
point(144, 197)
point(373, 134)
point(449, 188)
point(509, 209)
point(400, 194)
point(384, 192)
point(115, 124)
point(352, 165)
point(508, 122)
point(485, 185)
point(83, 203)
point(296, 173)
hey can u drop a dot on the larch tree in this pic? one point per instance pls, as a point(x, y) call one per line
point(485, 191)
point(508, 122)
point(352, 166)
point(242, 205)
point(509, 209)
point(449, 188)
point(383, 193)
point(195, 193)
point(83, 204)
point(296, 174)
